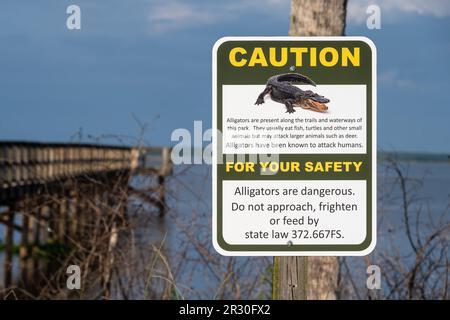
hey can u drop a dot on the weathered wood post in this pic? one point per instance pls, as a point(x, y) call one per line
point(73, 214)
point(29, 260)
point(161, 195)
point(24, 242)
point(45, 234)
point(36, 238)
point(53, 221)
point(109, 215)
point(109, 262)
point(290, 278)
point(9, 246)
point(43, 223)
point(163, 172)
point(310, 277)
point(62, 219)
point(81, 216)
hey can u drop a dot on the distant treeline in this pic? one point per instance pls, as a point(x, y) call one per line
point(413, 156)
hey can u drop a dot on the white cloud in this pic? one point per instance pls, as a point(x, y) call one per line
point(391, 78)
point(356, 9)
point(174, 15)
point(177, 14)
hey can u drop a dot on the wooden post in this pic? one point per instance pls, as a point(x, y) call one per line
point(98, 203)
point(109, 262)
point(29, 260)
point(81, 216)
point(37, 227)
point(310, 277)
point(42, 223)
point(53, 222)
point(161, 196)
point(73, 214)
point(290, 276)
point(44, 236)
point(53, 234)
point(36, 243)
point(9, 238)
point(164, 170)
point(62, 217)
point(24, 244)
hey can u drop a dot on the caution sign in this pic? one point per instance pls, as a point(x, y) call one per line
point(294, 151)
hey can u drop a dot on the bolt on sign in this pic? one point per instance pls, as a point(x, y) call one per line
point(294, 151)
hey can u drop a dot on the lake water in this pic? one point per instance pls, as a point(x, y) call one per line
point(428, 185)
point(201, 273)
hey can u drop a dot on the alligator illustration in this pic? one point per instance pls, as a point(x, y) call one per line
point(281, 90)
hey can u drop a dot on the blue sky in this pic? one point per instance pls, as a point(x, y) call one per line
point(152, 59)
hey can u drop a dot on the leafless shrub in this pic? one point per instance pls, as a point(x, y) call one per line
point(413, 243)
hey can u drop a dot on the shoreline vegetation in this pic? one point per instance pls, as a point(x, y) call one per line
point(173, 258)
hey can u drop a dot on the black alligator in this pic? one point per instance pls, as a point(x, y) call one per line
point(281, 90)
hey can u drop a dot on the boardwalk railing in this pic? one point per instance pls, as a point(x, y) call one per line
point(29, 163)
point(59, 191)
point(23, 163)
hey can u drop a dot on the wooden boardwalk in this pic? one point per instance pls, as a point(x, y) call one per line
point(54, 189)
